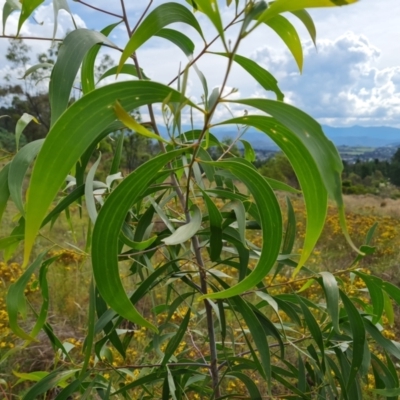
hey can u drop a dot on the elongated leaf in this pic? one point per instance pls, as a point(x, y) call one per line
point(310, 133)
point(8, 8)
point(305, 167)
point(4, 190)
point(89, 197)
point(249, 152)
point(249, 383)
point(358, 334)
point(88, 63)
point(290, 234)
point(313, 326)
point(394, 392)
point(54, 379)
point(271, 222)
point(117, 154)
point(132, 124)
point(257, 333)
point(177, 338)
point(240, 213)
point(21, 124)
point(36, 67)
point(376, 294)
point(26, 11)
point(41, 318)
point(392, 290)
point(16, 303)
point(306, 19)
point(288, 34)
point(9, 241)
point(88, 344)
point(127, 69)
point(18, 168)
point(70, 56)
point(177, 38)
point(137, 245)
point(211, 9)
point(278, 185)
point(280, 6)
point(64, 203)
point(57, 6)
point(261, 75)
point(331, 289)
point(65, 144)
point(215, 227)
point(105, 243)
point(388, 309)
point(165, 14)
point(187, 231)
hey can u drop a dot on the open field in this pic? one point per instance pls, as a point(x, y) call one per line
point(69, 281)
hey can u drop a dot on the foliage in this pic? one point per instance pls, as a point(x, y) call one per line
point(187, 253)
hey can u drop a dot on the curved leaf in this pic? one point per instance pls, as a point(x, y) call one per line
point(88, 63)
point(18, 168)
point(105, 242)
point(313, 326)
point(280, 6)
point(16, 303)
point(4, 190)
point(8, 8)
point(57, 6)
point(159, 18)
point(36, 67)
point(374, 286)
point(358, 335)
point(69, 59)
point(65, 144)
point(128, 69)
point(331, 289)
point(216, 220)
point(305, 167)
point(21, 125)
point(177, 38)
point(211, 9)
point(187, 231)
point(288, 34)
point(132, 124)
point(251, 386)
point(271, 223)
point(28, 7)
point(261, 75)
point(89, 197)
point(308, 22)
point(249, 153)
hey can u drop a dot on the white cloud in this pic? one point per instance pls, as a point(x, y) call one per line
point(340, 83)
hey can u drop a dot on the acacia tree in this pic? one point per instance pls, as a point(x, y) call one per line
point(202, 265)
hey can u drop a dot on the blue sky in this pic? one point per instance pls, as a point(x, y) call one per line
point(352, 78)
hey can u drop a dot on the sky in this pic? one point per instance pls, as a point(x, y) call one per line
point(352, 78)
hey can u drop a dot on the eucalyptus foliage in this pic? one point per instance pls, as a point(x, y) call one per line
point(207, 208)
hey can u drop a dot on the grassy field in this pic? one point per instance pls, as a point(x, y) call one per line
point(69, 280)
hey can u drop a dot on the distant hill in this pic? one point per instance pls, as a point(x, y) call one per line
point(371, 136)
point(353, 136)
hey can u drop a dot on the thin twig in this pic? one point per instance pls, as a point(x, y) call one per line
point(3, 391)
point(207, 45)
point(125, 19)
point(99, 9)
point(169, 365)
point(142, 16)
point(29, 38)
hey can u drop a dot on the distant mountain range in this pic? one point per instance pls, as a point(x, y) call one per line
point(354, 136)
